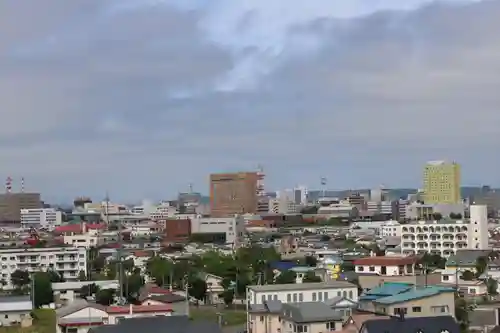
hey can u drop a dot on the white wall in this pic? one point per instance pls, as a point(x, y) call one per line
point(297, 296)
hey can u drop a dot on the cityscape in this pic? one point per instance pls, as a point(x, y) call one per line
point(187, 166)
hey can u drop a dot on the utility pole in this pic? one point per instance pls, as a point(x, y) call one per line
point(186, 289)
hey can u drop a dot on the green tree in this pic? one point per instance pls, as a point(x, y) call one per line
point(20, 279)
point(437, 216)
point(82, 276)
point(467, 275)
point(98, 263)
point(286, 277)
point(88, 290)
point(198, 289)
point(481, 266)
point(228, 297)
point(43, 289)
point(132, 285)
point(347, 266)
point(128, 265)
point(311, 277)
point(55, 276)
point(462, 310)
point(325, 238)
point(311, 261)
point(492, 286)
point(160, 270)
point(105, 297)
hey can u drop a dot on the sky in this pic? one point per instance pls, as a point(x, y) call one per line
point(141, 98)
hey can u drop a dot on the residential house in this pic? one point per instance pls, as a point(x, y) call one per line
point(484, 318)
point(306, 317)
point(80, 315)
point(214, 287)
point(439, 324)
point(153, 295)
point(410, 300)
point(174, 324)
point(67, 292)
point(373, 270)
point(15, 310)
point(301, 292)
point(354, 323)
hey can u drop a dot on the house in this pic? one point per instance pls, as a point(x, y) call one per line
point(439, 324)
point(484, 318)
point(15, 310)
point(67, 292)
point(374, 270)
point(80, 315)
point(354, 323)
point(270, 313)
point(410, 300)
point(214, 287)
point(306, 317)
point(175, 324)
point(153, 295)
point(301, 292)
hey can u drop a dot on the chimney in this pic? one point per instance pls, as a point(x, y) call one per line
point(131, 310)
point(84, 227)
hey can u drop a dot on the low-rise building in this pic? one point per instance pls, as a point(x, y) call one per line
point(36, 218)
point(409, 300)
point(15, 310)
point(301, 292)
point(223, 229)
point(67, 292)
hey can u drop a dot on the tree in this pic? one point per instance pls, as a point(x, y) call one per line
point(20, 279)
point(468, 275)
point(227, 296)
point(433, 260)
point(481, 266)
point(309, 210)
point(98, 263)
point(132, 285)
point(455, 216)
point(286, 277)
point(43, 289)
point(492, 286)
point(311, 261)
point(55, 276)
point(437, 216)
point(462, 310)
point(88, 290)
point(105, 297)
point(128, 265)
point(311, 277)
point(82, 276)
point(325, 238)
point(198, 289)
point(160, 270)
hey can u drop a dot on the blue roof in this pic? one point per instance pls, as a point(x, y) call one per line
point(389, 289)
point(283, 265)
point(413, 293)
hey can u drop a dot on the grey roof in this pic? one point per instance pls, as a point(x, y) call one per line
point(11, 299)
point(77, 305)
point(334, 301)
point(174, 324)
point(308, 312)
point(302, 286)
point(270, 306)
point(482, 318)
point(438, 324)
point(90, 320)
point(467, 257)
point(15, 303)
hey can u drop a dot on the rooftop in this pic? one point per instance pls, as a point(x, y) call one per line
point(302, 286)
point(414, 293)
point(386, 261)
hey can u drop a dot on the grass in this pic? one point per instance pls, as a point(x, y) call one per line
point(44, 321)
point(230, 317)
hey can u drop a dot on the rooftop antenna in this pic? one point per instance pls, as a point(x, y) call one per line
point(22, 184)
point(190, 188)
point(323, 185)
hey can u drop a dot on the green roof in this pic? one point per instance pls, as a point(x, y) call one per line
point(414, 293)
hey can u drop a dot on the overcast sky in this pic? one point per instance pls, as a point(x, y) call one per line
point(143, 97)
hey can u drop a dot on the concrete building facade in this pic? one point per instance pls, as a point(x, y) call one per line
point(234, 193)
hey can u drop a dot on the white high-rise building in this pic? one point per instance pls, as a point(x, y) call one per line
point(40, 218)
point(446, 236)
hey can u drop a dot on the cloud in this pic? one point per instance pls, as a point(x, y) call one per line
point(143, 98)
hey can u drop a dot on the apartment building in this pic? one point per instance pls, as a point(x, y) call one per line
point(390, 229)
point(68, 261)
point(446, 236)
point(40, 218)
point(234, 193)
point(12, 203)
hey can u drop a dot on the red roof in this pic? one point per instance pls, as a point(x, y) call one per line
point(83, 323)
point(385, 261)
point(78, 227)
point(141, 253)
point(155, 290)
point(139, 309)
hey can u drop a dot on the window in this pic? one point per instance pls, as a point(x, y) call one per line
point(350, 295)
point(320, 296)
point(289, 298)
point(261, 318)
point(416, 309)
point(301, 328)
point(325, 295)
point(314, 297)
point(446, 277)
point(263, 299)
point(301, 297)
point(361, 268)
point(275, 297)
point(294, 298)
point(372, 268)
point(398, 311)
point(330, 326)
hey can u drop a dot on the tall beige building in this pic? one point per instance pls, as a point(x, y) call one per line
point(441, 182)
